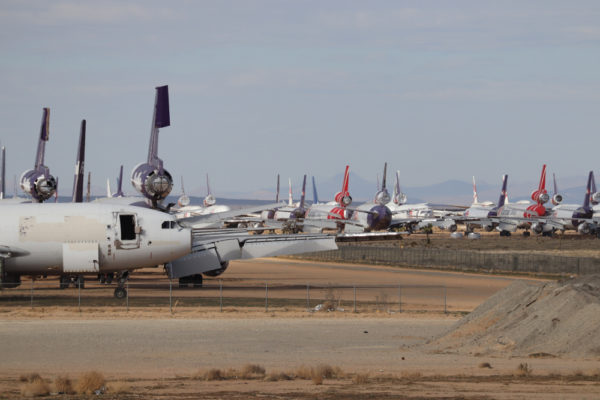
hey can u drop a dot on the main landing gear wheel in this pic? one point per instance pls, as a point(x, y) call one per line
point(505, 233)
point(526, 234)
point(120, 293)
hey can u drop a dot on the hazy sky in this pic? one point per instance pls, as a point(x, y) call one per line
point(441, 90)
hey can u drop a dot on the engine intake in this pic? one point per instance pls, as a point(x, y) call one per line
point(557, 199)
point(40, 185)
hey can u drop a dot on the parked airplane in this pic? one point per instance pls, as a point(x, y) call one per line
point(209, 205)
point(374, 215)
point(38, 182)
point(79, 167)
point(93, 238)
point(482, 215)
point(518, 215)
point(573, 216)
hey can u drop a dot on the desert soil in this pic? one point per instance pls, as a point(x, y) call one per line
point(157, 353)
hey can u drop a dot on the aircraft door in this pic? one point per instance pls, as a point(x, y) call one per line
point(127, 231)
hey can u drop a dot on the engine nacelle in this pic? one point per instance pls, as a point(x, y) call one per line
point(39, 184)
point(382, 197)
point(400, 198)
point(343, 199)
point(183, 201)
point(540, 197)
point(219, 271)
point(489, 228)
point(267, 214)
point(584, 228)
point(557, 199)
point(152, 183)
point(537, 228)
point(209, 200)
point(596, 197)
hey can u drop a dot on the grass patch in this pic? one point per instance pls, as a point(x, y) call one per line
point(360, 379)
point(523, 370)
point(90, 382)
point(35, 386)
point(485, 365)
point(63, 385)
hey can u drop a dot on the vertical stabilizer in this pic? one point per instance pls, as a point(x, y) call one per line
point(277, 193)
point(503, 195)
point(475, 197)
point(160, 119)
point(542, 185)
point(89, 187)
point(383, 187)
point(588, 191)
point(56, 191)
point(303, 195)
point(555, 186)
point(346, 180)
point(290, 199)
point(44, 136)
point(315, 195)
point(208, 193)
point(79, 167)
point(593, 190)
point(3, 174)
point(120, 184)
point(108, 191)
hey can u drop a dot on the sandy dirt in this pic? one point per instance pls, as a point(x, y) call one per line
point(157, 354)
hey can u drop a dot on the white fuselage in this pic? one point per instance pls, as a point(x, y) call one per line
point(88, 238)
point(191, 211)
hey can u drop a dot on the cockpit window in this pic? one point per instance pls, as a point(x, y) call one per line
point(168, 225)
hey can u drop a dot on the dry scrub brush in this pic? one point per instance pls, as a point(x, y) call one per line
point(63, 385)
point(360, 379)
point(90, 382)
point(34, 385)
point(523, 370)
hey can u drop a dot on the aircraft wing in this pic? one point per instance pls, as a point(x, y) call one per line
point(199, 220)
point(211, 249)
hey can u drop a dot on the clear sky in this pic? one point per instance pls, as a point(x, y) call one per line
point(441, 90)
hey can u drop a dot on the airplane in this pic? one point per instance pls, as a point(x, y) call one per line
point(79, 166)
point(291, 211)
point(94, 238)
point(119, 192)
point(373, 215)
point(38, 182)
point(519, 215)
point(573, 216)
point(209, 204)
point(481, 214)
point(476, 198)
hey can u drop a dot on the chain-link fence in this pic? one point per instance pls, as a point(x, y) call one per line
point(227, 295)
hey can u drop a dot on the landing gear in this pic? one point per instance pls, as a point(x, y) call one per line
point(106, 279)
point(120, 291)
point(526, 234)
point(194, 280)
point(505, 233)
point(64, 281)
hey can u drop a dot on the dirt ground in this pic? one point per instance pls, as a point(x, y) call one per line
point(149, 352)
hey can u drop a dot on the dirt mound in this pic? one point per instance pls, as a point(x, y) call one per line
point(524, 319)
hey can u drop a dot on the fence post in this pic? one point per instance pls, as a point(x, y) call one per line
point(32, 280)
point(400, 298)
point(354, 298)
point(307, 296)
point(127, 295)
point(79, 293)
point(266, 297)
point(445, 309)
point(171, 295)
point(220, 295)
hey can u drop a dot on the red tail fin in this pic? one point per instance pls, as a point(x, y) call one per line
point(345, 183)
point(542, 186)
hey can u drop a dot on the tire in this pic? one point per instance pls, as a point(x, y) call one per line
point(120, 293)
point(526, 234)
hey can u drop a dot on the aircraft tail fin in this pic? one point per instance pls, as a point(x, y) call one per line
point(120, 183)
point(555, 185)
point(542, 185)
point(593, 190)
point(290, 199)
point(503, 195)
point(108, 191)
point(208, 193)
point(56, 191)
point(346, 180)
point(588, 190)
point(383, 187)
point(79, 166)
point(3, 174)
point(475, 197)
point(277, 194)
point(160, 119)
point(44, 136)
point(303, 195)
point(315, 195)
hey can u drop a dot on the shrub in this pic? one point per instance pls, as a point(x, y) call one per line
point(485, 365)
point(252, 371)
point(90, 382)
point(360, 379)
point(63, 385)
point(523, 370)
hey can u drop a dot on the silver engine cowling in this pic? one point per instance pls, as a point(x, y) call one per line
point(219, 271)
point(557, 199)
point(40, 185)
point(596, 197)
point(584, 228)
point(537, 228)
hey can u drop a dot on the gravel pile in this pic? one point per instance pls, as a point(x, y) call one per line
point(532, 319)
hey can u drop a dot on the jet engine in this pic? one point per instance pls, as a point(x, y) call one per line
point(584, 228)
point(218, 271)
point(154, 183)
point(183, 200)
point(596, 197)
point(557, 199)
point(540, 197)
point(382, 197)
point(209, 200)
point(400, 198)
point(537, 228)
point(343, 199)
point(38, 183)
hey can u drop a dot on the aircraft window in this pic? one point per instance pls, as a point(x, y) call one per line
point(168, 225)
point(127, 223)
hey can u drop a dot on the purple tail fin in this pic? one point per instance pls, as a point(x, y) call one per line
point(160, 119)
point(502, 198)
point(3, 175)
point(120, 184)
point(79, 167)
point(588, 191)
point(384, 175)
point(44, 136)
point(303, 197)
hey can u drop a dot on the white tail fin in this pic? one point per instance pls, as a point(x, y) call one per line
point(108, 191)
point(290, 199)
point(475, 197)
